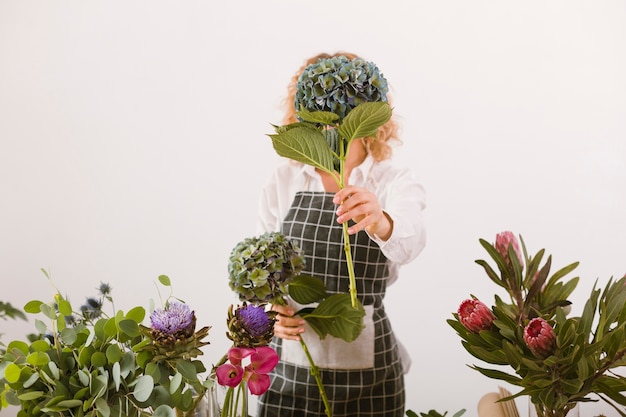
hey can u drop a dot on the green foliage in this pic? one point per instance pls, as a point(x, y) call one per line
point(8, 311)
point(306, 141)
point(94, 367)
point(588, 349)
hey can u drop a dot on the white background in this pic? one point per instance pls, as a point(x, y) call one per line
point(133, 143)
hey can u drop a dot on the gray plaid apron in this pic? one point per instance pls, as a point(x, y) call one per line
point(377, 390)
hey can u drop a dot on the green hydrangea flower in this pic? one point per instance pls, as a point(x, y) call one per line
point(338, 85)
point(260, 268)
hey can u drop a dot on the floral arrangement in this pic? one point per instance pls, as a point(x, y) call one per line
point(85, 363)
point(251, 328)
point(338, 85)
point(558, 361)
point(338, 100)
point(266, 269)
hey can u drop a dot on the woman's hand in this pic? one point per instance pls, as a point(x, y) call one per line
point(287, 326)
point(361, 205)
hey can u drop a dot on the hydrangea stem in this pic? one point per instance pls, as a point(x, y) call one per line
point(343, 155)
point(351, 276)
point(315, 371)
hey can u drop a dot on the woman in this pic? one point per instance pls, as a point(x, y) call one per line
point(383, 206)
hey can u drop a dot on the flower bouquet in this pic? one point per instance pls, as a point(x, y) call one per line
point(339, 100)
point(558, 361)
point(251, 328)
point(266, 269)
point(85, 363)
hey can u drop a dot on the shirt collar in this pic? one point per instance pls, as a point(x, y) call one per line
point(362, 171)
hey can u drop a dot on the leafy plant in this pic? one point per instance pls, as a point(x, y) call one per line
point(87, 364)
point(557, 360)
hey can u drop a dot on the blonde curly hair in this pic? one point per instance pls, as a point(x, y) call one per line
point(379, 147)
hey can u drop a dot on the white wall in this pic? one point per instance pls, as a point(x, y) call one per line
point(132, 144)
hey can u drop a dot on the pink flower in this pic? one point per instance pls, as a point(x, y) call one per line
point(262, 360)
point(540, 338)
point(229, 375)
point(503, 241)
point(261, 363)
point(475, 315)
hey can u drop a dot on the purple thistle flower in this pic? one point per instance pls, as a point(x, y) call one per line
point(174, 318)
point(254, 319)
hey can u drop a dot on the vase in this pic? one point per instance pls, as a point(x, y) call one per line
point(209, 405)
point(532, 411)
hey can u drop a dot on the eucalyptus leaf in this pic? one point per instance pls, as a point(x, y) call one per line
point(143, 388)
point(165, 280)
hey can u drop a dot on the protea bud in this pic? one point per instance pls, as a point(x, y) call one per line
point(503, 241)
point(250, 325)
point(540, 338)
point(475, 315)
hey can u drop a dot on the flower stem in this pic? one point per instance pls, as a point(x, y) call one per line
point(351, 276)
point(315, 371)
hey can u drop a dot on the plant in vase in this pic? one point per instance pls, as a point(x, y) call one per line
point(266, 269)
point(85, 363)
point(251, 328)
point(558, 361)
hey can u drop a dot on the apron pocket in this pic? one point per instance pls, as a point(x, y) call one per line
point(332, 352)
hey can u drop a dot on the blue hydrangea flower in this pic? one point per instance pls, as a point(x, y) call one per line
point(338, 85)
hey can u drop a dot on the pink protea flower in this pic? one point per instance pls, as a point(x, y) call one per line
point(475, 315)
point(540, 338)
point(503, 241)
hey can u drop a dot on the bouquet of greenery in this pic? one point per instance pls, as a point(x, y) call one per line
point(85, 363)
point(557, 360)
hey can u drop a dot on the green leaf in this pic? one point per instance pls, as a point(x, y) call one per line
point(364, 120)
point(175, 382)
point(321, 117)
point(12, 373)
point(103, 407)
point(305, 289)
point(164, 411)
point(65, 308)
point(130, 328)
point(31, 395)
point(143, 388)
point(136, 314)
point(336, 316)
point(304, 145)
point(165, 280)
point(68, 335)
point(188, 370)
point(38, 359)
point(33, 307)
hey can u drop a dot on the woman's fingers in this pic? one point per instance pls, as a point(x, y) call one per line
point(287, 326)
